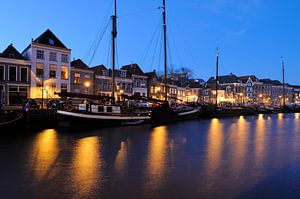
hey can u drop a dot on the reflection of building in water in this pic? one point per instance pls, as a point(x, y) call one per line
point(156, 163)
point(44, 154)
point(86, 166)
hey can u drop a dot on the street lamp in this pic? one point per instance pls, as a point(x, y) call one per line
point(87, 85)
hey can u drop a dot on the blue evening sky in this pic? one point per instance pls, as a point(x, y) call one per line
point(252, 35)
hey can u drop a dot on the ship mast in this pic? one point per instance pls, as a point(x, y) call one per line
point(114, 36)
point(217, 77)
point(283, 86)
point(165, 48)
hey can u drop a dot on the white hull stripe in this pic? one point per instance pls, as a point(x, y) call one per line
point(188, 112)
point(103, 117)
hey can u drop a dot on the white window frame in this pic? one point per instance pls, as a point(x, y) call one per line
point(54, 56)
point(43, 52)
point(3, 71)
point(63, 60)
point(21, 75)
point(10, 66)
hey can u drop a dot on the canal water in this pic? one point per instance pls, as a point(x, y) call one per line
point(241, 157)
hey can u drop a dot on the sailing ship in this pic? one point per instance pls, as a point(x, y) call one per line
point(88, 113)
point(164, 112)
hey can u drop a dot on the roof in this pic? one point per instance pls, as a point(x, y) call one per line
point(151, 75)
point(79, 64)
point(47, 38)
point(271, 82)
point(11, 53)
point(231, 78)
point(133, 69)
point(98, 69)
point(245, 78)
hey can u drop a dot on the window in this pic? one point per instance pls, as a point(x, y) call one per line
point(52, 56)
point(105, 72)
point(64, 72)
point(24, 74)
point(2, 73)
point(77, 78)
point(52, 71)
point(64, 87)
point(86, 76)
point(64, 58)
point(40, 54)
point(40, 70)
point(123, 74)
point(51, 41)
point(12, 73)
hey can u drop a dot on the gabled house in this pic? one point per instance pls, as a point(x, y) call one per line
point(82, 78)
point(103, 82)
point(138, 77)
point(50, 65)
point(15, 73)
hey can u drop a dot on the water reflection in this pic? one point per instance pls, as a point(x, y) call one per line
point(215, 145)
point(86, 166)
point(156, 163)
point(239, 136)
point(260, 136)
point(44, 154)
point(121, 159)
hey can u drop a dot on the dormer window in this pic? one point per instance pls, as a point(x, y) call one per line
point(51, 41)
point(105, 72)
point(123, 73)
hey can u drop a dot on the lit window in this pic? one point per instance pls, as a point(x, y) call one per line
point(40, 54)
point(64, 58)
point(52, 56)
point(77, 78)
point(64, 72)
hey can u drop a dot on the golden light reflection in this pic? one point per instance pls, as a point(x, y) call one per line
point(215, 145)
point(157, 156)
point(239, 133)
point(86, 165)
point(121, 159)
point(45, 152)
point(260, 137)
point(297, 116)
